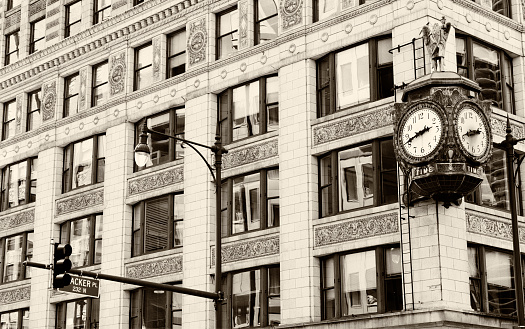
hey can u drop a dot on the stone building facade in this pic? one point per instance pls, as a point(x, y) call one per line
point(314, 233)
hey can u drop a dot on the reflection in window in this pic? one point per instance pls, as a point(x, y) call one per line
point(73, 19)
point(101, 11)
point(246, 196)
point(359, 283)
point(153, 308)
point(143, 67)
point(18, 319)
point(100, 87)
point(33, 109)
point(356, 174)
point(353, 80)
point(246, 299)
point(266, 22)
point(12, 45)
point(85, 237)
point(176, 53)
point(17, 189)
point(37, 36)
point(71, 89)
point(227, 32)
point(14, 250)
point(84, 163)
point(9, 123)
point(78, 314)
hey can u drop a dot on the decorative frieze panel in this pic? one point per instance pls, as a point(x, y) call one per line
point(491, 227)
point(13, 19)
point(242, 250)
point(53, 12)
point(15, 295)
point(356, 229)
point(80, 202)
point(117, 73)
point(499, 127)
point(291, 13)
point(83, 89)
point(155, 268)
point(354, 125)
point(18, 219)
point(197, 40)
point(49, 97)
point(118, 4)
point(37, 7)
point(155, 180)
point(249, 154)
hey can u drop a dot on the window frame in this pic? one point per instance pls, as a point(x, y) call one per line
point(68, 23)
point(23, 274)
point(138, 234)
point(8, 60)
point(226, 121)
point(257, 22)
point(20, 316)
point(11, 4)
point(373, 73)
point(97, 12)
point(32, 41)
point(71, 95)
point(219, 37)
point(31, 123)
point(381, 278)
point(104, 84)
point(136, 70)
point(92, 316)
point(168, 306)
point(227, 207)
point(170, 55)
point(8, 121)
point(227, 287)
point(65, 236)
point(4, 190)
point(333, 184)
point(95, 174)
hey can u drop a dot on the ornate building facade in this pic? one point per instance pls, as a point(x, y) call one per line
point(315, 230)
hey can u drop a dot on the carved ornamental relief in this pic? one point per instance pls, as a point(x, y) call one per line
point(197, 42)
point(49, 99)
point(117, 73)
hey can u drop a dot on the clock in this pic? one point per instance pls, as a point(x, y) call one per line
point(471, 129)
point(420, 132)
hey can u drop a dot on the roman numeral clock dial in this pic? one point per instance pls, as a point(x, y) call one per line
point(421, 132)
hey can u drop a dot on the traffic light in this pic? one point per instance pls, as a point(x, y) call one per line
point(61, 265)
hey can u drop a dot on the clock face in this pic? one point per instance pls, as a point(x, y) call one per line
point(422, 130)
point(472, 131)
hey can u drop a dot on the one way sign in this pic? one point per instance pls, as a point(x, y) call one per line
point(83, 285)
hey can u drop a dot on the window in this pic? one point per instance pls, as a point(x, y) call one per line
point(84, 163)
point(85, 237)
point(158, 224)
point(491, 275)
point(18, 319)
point(176, 53)
point(37, 37)
point(163, 149)
point(81, 313)
point(361, 282)
point(227, 32)
point(249, 110)
point(101, 11)
point(13, 3)
point(491, 68)
point(143, 66)
point(355, 75)
point(19, 183)
point(71, 89)
point(328, 8)
point(153, 308)
point(252, 298)
point(73, 18)
point(100, 87)
point(494, 189)
point(14, 250)
point(12, 44)
point(137, 2)
point(253, 201)
point(9, 124)
point(357, 177)
point(34, 103)
point(266, 21)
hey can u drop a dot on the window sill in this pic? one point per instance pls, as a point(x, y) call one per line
point(251, 140)
point(250, 234)
point(153, 255)
point(15, 284)
point(20, 208)
point(359, 212)
point(353, 110)
point(155, 168)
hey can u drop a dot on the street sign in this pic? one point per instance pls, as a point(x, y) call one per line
point(83, 285)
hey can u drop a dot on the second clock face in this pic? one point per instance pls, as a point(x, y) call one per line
point(421, 132)
point(471, 128)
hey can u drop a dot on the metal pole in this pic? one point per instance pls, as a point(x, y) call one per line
point(218, 150)
point(509, 143)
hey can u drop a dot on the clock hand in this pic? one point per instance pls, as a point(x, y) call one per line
point(472, 132)
point(417, 134)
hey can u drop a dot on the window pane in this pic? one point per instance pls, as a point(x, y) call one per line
point(9, 320)
point(134, 314)
point(268, 29)
point(509, 84)
point(246, 199)
point(100, 84)
point(25, 319)
point(39, 32)
point(75, 12)
point(358, 282)
point(272, 103)
point(224, 210)
point(156, 225)
point(461, 57)
point(159, 145)
point(356, 177)
point(228, 22)
point(352, 73)
point(101, 158)
point(328, 281)
point(178, 215)
point(383, 54)
point(33, 111)
point(80, 231)
point(144, 56)
point(474, 278)
point(13, 258)
point(9, 120)
point(177, 43)
point(266, 8)
point(487, 73)
point(326, 188)
point(29, 252)
point(82, 163)
point(76, 314)
point(180, 120)
point(154, 309)
point(176, 313)
point(273, 197)
point(274, 296)
point(144, 78)
point(327, 8)
point(393, 261)
point(98, 239)
point(494, 187)
point(501, 295)
point(389, 187)
point(246, 299)
point(246, 111)
point(137, 218)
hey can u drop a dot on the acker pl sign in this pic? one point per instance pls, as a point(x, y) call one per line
point(83, 285)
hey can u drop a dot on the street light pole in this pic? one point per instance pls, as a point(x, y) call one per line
point(142, 153)
point(508, 144)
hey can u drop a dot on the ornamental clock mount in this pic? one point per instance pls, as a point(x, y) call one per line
point(442, 136)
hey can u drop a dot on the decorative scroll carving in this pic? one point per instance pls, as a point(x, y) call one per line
point(15, 295)
point(117, 73)
point(291, 13)
point(155, 268)
point(356, 229)
point(19, 114)
point(49, 92)
point(243, 23)
point(156, 58)
point(83, 88)
point(491, 227)
point(36, 7)
point(80, 202)
point(18, 219)
point(197, 40)
point(242, 250)
point(156, 180)
point(252, 153)
point(352, 126)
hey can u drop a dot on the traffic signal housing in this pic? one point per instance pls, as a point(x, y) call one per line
point(61, 265)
